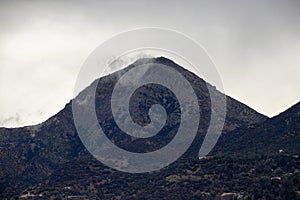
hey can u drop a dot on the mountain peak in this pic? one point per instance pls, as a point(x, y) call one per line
point(160, 60)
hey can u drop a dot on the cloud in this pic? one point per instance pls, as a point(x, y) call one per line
point(43, 44)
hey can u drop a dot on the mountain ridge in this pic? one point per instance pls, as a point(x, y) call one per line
point(285, 124)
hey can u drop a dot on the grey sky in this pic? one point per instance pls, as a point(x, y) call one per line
point(255, 45)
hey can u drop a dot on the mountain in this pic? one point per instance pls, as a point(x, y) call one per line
point(278, 134)
point(231, 171)
point(49, 159)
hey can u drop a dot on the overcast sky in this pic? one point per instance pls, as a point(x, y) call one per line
point(254, 44)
